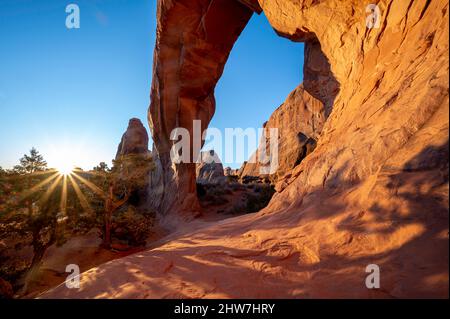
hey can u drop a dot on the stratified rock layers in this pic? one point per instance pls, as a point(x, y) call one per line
point(374, 191)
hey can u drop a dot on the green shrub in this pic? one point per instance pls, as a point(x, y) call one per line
point(132, 226)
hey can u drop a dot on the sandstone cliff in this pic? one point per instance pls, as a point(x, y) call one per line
point(374, 191)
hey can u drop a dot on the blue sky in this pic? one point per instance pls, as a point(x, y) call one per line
point(72, 92)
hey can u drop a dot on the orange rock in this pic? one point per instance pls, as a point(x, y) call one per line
point(194, 40)
point(374, 191)
point(299, 122)
point(134, 140)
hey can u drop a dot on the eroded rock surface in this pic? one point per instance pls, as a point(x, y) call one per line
point(134, 140)
point(374, 191)
point(194, 40)
point(299, 122)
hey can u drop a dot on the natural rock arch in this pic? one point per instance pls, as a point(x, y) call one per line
point(374, 191)
point(194, 40)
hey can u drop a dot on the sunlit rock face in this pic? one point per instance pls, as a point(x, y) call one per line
point(134, 140)
point(300, 119)
point(194, 39)
point(374, 190)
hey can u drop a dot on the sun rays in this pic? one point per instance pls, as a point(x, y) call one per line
point(65, 170)
point(63, 178)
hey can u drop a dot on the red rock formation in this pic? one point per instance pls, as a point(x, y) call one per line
point(301, 118)
point(299, 122)
point(374, 191)
point(194, 39)
point(134, 140)
point(228, 171)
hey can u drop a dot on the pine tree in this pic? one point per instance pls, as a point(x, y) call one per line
point(30, 164)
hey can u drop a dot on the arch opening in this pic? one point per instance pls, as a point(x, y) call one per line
point(187, 70)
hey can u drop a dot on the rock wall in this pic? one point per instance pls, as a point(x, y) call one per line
point(394, 83)
point(374, 191)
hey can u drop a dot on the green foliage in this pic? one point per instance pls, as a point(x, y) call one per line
point(127, 176)
point(260, 199)
point(32, 163)
point(133, 226)
point(27, 218)
point(101, 167)
point(32, 214)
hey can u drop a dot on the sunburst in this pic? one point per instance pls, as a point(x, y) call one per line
point(64, 177)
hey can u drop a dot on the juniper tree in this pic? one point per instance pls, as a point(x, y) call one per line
point(128, 174)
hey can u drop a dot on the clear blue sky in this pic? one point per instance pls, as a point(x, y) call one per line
point(73, 91)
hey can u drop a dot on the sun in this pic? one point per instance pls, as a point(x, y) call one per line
point(65, 168)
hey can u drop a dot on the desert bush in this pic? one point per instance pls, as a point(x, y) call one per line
point(132, 226)
point(236, 186)
point(232, 179)
point(257, 199)
point(260, 199)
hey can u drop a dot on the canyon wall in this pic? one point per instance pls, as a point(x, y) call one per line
point(374, 191)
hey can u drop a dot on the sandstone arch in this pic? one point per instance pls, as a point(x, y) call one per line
point(374, 191)
point(194, 41)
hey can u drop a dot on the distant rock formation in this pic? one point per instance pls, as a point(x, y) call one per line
point(299, 122)
point(228, 171)
point(210, 170)
point(134, 140)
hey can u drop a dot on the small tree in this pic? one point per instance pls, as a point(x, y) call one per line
point(102, 167)
point(30, 164)
point(27, 169)
point(29, 213)
point(129, 174)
